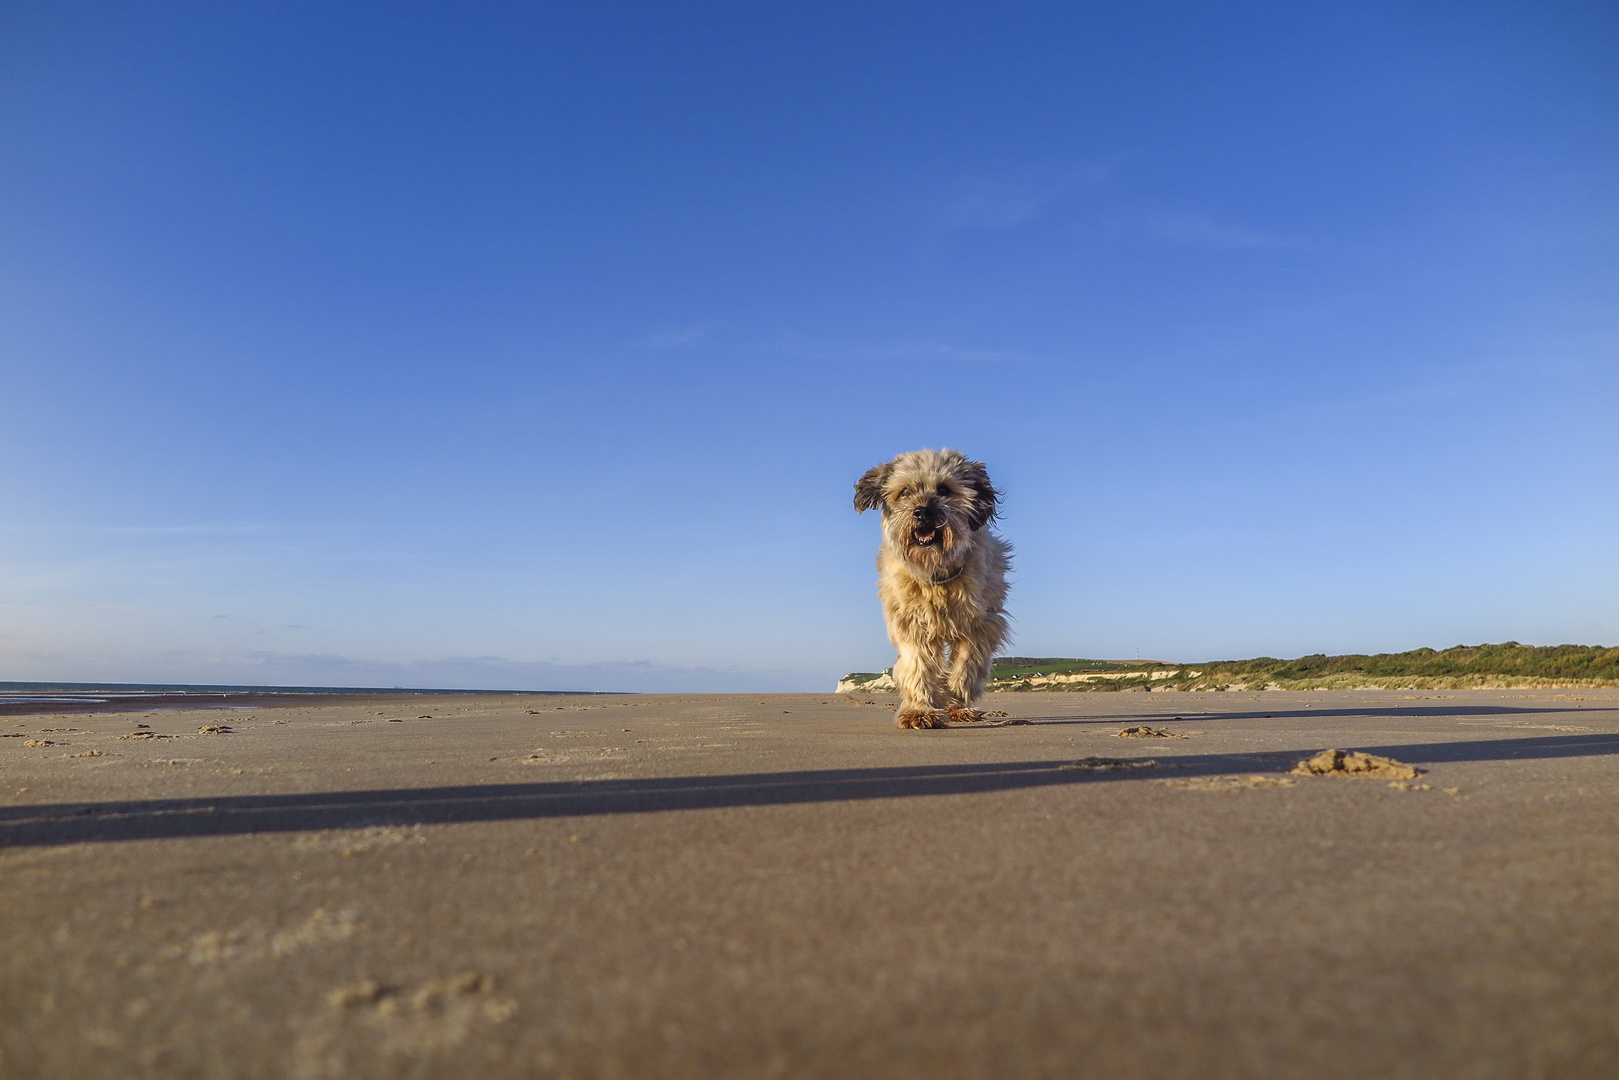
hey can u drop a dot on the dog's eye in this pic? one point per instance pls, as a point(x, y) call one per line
point(905, 493)
point(944, 490)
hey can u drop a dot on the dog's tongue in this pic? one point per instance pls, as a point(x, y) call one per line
point(925, 536)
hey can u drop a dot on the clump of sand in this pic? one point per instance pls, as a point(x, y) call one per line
point(1108, 764)
point(360, 993)
point(1004, 720)
point(1356, 764)
point(434, 996)
point(1142, 731)
point(1227, 783)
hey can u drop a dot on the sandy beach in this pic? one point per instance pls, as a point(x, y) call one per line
point(786, 885)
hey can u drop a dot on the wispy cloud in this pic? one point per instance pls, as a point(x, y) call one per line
point(1193, 230)
point(807, 348)
point(918, 351)
point(1001, 202)
point(674, 339)
point(199, 529)
point(1007, 200)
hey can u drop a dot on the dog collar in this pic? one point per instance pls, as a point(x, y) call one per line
point(948, 578)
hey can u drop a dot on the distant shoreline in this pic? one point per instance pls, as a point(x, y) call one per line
point(229, 688)
point(31, 698)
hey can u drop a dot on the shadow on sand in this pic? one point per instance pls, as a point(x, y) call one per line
point(238, 815)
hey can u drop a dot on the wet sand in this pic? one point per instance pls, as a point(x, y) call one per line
point(755, 886)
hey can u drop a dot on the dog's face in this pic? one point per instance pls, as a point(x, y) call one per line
point(933, 501)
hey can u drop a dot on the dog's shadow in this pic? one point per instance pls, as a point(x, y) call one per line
point(238, 815)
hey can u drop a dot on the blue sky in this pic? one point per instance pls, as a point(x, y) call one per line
point(539, 345)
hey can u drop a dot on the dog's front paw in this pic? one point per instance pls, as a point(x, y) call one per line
point(960, 714)
point(920, 718)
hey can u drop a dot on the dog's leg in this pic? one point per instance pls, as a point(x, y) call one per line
point(959, 691)
point(918, 673)
point(970, 662)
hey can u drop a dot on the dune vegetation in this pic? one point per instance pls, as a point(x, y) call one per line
point(1504, 666)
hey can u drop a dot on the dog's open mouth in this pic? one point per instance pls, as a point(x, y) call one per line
point(925, 537)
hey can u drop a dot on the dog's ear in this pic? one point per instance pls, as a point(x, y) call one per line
point(868, 490)
point(985, 496)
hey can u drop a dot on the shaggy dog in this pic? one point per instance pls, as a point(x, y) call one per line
point(941, 578)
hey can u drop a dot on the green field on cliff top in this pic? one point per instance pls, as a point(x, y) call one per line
point(1464, 666)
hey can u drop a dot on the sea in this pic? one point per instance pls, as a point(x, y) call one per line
point(30, 698)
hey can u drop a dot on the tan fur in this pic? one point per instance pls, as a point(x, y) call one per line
point(941, 578)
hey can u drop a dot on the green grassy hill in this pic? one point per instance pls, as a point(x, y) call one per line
point(1506, 665)
point(1465, 666)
